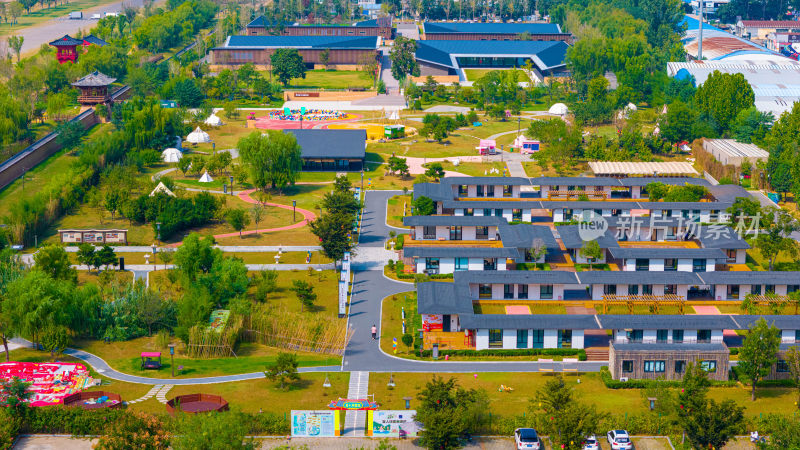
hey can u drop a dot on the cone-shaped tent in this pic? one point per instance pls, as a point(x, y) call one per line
point(213, 120)
point(206, 178)
point(198, 136)
point(163, 189)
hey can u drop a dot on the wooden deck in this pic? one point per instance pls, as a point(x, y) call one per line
point(450, 340)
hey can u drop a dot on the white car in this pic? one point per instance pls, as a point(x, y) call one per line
point(527, 438)
point(619, 440)
point(591, 443)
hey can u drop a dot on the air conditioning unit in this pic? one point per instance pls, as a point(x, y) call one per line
point(624, 379)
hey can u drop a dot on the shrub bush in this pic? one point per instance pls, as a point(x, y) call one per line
point(611, 383)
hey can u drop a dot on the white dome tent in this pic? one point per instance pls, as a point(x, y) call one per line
point(171, 155)
point(206, 178)
point(213, 120)
point(559, 109)
point(626, 111)
point(198, 136)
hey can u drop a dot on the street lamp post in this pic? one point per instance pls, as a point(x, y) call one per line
point(172, 358)
point(231, 177)
point(158, 231)
point(154, 255)
point(294, 210)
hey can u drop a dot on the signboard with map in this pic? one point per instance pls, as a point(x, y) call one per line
point(314, 423)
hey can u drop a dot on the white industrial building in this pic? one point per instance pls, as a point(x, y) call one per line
point(730, 152)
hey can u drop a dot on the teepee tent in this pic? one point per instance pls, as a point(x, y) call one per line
point(213, 120)
point(163, 189)
point(559, 109)
point(171, 155)
point(198, 136)
point(206, 178)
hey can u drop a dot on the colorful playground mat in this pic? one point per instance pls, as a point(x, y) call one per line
point(51, 382)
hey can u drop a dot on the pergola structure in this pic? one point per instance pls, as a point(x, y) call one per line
point(94, 88)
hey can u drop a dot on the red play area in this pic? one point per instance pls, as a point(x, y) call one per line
point(51, 381)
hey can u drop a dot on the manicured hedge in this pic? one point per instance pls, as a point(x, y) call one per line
point(611, 383)
point(738, 375)
point(579, 352)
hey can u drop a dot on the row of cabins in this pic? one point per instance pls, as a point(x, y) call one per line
point(657, 254)
point(641, 346)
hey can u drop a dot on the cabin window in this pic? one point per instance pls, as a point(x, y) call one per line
point(495, 338)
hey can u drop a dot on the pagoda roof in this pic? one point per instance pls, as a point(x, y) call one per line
point(92, 39)
point(94, 79)
point(66, 41)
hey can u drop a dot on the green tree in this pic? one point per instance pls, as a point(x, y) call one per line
point(793, 361)
point(403, 58)
point(238, 219)
point(136, 430)
point(723, 96)
point(216, 430)
point(435, 171)
point(16, 395)
point(305, 293)
point(783, 432)
point(54, 261)
point(183, 165)
point(287, 64)
point(332, 229)
point(774, 237)
point(678, 122)
point(449, 411)
point(398, 165)
point(342, 184)
point(592, 252)
point(273, 159)
point(86, 255)
point(113, 201)
point(751, 125)
point(106, 257)
point(257, 213)
point(707, 424)
point(567, 420)
point(324, 58)
point(196, 255)
point(284, 369)
point(759, 353)
point(55, 340)
point(15, 42)
point(266, 283)
point(423, 206)
point(340, 202)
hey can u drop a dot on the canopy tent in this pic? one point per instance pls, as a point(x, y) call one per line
point(559, 109)
point(206, 178)
point(198, 136)
point(171, 155)
point(213, 120)
point(627, 168)
point(163, 189)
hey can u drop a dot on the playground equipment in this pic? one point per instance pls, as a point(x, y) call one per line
point(50, 382)
point(151, 360)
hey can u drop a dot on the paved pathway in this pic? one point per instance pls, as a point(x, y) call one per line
point(150, 394)
point(358, 389)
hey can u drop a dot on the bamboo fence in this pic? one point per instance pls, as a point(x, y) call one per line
point(209, 343)
point(300, 332)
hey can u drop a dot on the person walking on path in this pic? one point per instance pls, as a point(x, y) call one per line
point(374, 332)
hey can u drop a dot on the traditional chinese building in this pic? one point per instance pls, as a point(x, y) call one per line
point(94, 88)
point(66, 48)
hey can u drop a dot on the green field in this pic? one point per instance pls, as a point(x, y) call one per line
point(332, 79)
point(475, 74)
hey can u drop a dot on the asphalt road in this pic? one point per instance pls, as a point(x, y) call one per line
point(55, 28)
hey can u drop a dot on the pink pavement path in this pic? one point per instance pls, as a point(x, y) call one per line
point(245, 196)
point(713, 311)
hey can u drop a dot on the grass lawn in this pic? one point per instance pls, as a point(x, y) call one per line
point(533, 169)
point(43, 14)
point(783, 262)
point(499, 307)
point(332, 79)
point(392, 322)
point(252, 395)
point(86, 217)
point(251, 357)
point(247, 257)
point(104, 278)
point(394, 211)
point(37, 177)
point(476, 169)
point(590, 389)
point(587, 267)
point(474, 74)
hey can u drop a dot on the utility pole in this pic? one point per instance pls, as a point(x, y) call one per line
point(700, 34)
